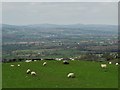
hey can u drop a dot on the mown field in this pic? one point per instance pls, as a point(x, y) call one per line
point(54, 75)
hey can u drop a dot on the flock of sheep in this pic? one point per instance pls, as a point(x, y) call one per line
point(33, 72)
point(105, 65)
point(69, 75)
point(14, 65)
point(30, 72)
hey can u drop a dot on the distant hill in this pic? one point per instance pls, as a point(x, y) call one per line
point(89, 26)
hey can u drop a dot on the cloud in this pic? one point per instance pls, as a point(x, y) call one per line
point(60, 0)
point(0, 13)
point(60, 13)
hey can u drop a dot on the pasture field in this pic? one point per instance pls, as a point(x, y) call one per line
point(54, 75)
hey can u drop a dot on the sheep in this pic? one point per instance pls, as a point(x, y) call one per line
point(58, 59)
point(71, 75)
point(72, 59)
point(28, 71)
point(28, 61)
point(42, 59)
point(44, 64)
point(103, 66)
point(12, 65)
point(116, 63)
point(18, 65)
point(65, 62)
point(33, 73)
point(110, 62)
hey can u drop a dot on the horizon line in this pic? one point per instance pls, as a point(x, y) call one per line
point(56, 24)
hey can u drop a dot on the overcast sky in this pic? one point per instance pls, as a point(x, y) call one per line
point(23, 13)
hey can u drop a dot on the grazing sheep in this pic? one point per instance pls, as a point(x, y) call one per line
point(110, 62)
point(12, 65)
point(18, 65)
point(72, 59)
point(28, 71)
point(116, 63)
point(44, 64)
point(58, 59)
point(103, 66)
point(65, 62)
point(28, 61)
point(42, 59)
point(33, 73)
point(71, 75)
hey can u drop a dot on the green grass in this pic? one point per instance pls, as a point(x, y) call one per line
point(54, 75)
point(0, 75)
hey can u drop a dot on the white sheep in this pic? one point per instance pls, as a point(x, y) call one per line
point(71, 75)
point(18, 65)
point(72, 59)
point(116, 63)
point(33, 73)
point(58, 59)
point(28, 61)
point(12, 65)
point(44, 64)
point(110, 62)
point(42, 59)
point(65, 62)
point(103, 66)
point(28, 71)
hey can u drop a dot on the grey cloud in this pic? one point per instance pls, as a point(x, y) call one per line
point(60, 13)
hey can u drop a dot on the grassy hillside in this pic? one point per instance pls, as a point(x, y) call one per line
point(54, 75)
